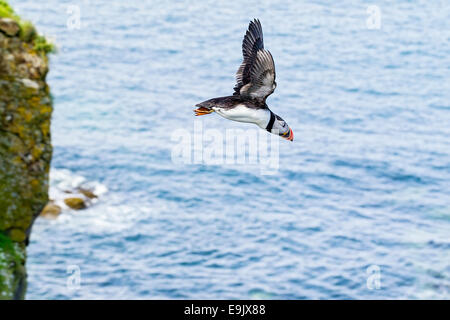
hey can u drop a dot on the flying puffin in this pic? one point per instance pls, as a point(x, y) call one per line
point(255, 82)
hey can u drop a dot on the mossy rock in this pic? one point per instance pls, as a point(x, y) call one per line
point(75, 203)
point(51, 211)
point(25, 143)
point(17, 235)
point(9, 26)
point(27, 31)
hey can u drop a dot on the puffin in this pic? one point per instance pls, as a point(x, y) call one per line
point(255, 81)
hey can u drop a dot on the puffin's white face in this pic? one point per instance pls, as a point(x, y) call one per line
point(281, 127)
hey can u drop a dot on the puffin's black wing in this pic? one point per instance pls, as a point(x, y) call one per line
point(256, 75)
point(253, 41)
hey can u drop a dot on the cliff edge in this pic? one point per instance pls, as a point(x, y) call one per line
point(25, 145)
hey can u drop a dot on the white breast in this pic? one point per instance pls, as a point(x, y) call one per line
point(242, 113)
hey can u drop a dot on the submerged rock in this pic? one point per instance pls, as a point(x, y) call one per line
point(75, 203)
point(25, 146)
point(73, 192)
point(88, 193)
point(51, 211)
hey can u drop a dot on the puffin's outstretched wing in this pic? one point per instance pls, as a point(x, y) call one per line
point(256, 75)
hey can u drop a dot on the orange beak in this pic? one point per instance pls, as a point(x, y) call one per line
point(290, 137)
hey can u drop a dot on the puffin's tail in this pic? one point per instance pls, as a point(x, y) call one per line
point(201, 111)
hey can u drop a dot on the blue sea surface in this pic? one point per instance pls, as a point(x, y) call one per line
point(364, 185)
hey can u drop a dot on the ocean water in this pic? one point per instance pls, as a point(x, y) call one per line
point(364, 187)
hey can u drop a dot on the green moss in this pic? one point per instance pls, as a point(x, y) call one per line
point(12, 270)
point(5, 10)
point(42, 45)
point(7, 245)
point(28, 32)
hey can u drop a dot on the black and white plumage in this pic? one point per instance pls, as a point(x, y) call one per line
point(255, 81)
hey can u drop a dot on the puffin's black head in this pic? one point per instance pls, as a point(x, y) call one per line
point(278, 126)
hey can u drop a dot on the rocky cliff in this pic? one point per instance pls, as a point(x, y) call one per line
point(25, 146)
